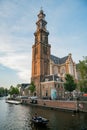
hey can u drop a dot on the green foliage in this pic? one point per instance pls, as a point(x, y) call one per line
point(82, 69)
point(13, 90)
point(83, 85)
point(3, 91)
point(69, 85)
point(32, 87)
point(18, 85)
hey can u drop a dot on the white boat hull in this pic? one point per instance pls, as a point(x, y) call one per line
point(13, 102)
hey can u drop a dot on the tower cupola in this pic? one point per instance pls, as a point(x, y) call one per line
point(41, 23)
point(41, 34)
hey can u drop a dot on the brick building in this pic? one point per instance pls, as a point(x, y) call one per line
point(48, 71)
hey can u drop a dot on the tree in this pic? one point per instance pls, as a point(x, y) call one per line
point(32, 87)
point(69, 84)
point(18, 85)
point(13, 90)
point(6, 92)
point(3, 91)
point(82, 69)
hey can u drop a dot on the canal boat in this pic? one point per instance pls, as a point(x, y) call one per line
point(39, 121)
point(13, 102)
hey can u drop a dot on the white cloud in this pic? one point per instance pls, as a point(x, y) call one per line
point(5, 43)
point(15, 53)
point(19, 63)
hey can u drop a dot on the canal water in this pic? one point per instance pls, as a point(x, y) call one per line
point(17, 117)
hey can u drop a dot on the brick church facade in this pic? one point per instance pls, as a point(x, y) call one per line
point(48, 71)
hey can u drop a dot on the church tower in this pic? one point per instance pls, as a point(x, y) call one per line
point(40, 52)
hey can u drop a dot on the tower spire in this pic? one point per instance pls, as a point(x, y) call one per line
point(41, 8)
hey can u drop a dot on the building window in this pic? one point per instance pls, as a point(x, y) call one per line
point(35, 69)
point(55, 70)
point(58, 85)
point(71, 68)
point(45, 68)
point(62, 70)
point(46, 79)
point(46, 92)
point(36, 50)
point(55, 85)
point(45, 50)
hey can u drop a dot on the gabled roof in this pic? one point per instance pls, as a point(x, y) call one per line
point(52, 78)
point(24, 85)
point(58, 60)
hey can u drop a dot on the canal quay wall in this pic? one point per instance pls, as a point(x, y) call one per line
point(59, 104)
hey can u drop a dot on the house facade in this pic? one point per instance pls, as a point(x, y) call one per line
point(24, 89)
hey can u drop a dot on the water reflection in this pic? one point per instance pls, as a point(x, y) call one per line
point(17, 117)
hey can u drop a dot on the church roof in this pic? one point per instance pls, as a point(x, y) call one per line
point(58, 60)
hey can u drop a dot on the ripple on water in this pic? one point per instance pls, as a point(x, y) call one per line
point(17, 117)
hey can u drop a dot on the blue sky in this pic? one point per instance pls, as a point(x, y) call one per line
point(67, 25)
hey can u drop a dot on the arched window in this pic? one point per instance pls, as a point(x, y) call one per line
point(55, 70)
point(62, 70)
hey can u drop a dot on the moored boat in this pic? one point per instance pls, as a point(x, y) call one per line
point(13, 102)
point(39, 121)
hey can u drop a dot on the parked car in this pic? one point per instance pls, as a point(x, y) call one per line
point(33, 97)
point(22, 97)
